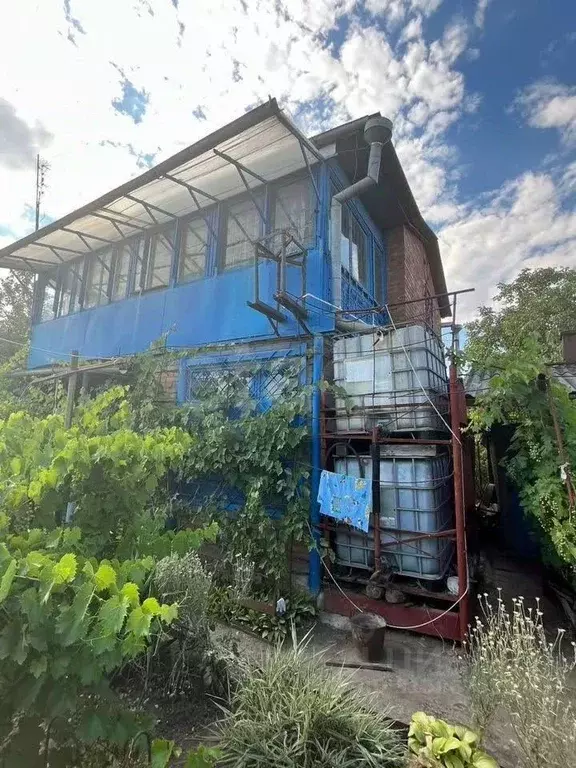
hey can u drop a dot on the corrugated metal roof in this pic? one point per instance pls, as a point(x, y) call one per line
point(476, 383)
point(565, 373)
point(261, 146)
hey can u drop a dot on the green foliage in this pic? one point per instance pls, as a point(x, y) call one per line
point(66, 624)
point(16, 293)
point(265, 457)
point(517, 397)
point(512, 346)
point(290, 712)
point(300, 611)
point(109, 471)
point(439, 745)
point(539, 303)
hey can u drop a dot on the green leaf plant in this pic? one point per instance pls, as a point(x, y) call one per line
point(67, 623)
point(436, 744)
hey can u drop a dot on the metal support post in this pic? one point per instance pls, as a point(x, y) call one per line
point(375, 454)
point(314, 561)
point(459, 511)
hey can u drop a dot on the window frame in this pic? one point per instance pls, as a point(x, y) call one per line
point(262, 194)
point(105, 284)
point(287, 181)
point(146, 238)
point(75, 270)
point(209, 216)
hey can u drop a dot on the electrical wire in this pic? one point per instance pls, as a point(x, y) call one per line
point(394, 626)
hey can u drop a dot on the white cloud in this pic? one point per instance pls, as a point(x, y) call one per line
point(206, 61)
point(547, 104)
point(394, 11)
point(219, 57)
point(480, 13)
point(523, 224)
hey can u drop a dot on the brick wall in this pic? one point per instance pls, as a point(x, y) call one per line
point(169, 381)
point(409, 277)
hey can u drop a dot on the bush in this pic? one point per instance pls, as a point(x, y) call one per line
point(290, 712)
point(183, 580)
point(66, 625)
point(189, 656)
point(512, 669)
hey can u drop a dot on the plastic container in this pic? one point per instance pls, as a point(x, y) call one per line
point(415, 498)
point(397, 381)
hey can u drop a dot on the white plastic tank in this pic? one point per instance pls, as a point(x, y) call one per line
point(415, 498)
point(396, 379)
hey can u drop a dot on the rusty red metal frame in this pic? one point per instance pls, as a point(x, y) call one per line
point(451, 625)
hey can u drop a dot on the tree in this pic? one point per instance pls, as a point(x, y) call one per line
point(16, 292)
point(540, 303)
point(512, 345)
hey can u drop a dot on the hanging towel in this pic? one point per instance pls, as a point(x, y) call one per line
point(346, 498)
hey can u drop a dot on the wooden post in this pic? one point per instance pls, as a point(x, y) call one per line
point(70, 397)
point(71, 394)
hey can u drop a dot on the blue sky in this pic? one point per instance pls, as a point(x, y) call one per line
point(482, 94)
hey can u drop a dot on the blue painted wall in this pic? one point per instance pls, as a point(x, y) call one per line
point(210, 310)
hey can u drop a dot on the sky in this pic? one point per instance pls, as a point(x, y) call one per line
point(482, 94)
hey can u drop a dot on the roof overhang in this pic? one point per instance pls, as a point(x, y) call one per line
point(257, 148)
point(390, 203)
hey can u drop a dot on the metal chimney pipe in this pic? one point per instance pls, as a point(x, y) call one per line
point(377, 132)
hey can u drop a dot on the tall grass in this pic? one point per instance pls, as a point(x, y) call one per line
point(515, 673)
point(289, 712)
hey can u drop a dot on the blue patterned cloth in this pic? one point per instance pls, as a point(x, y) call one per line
point(346, 498)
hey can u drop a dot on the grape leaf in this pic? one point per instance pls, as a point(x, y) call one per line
point(65, 569)
point(138, 622)
point(7, 579)
point(131, 593)
point(105, 577)
point(112, 614)
point(168, 613)
point(162, 750)
point(151, 606)
point(72, 623)
point(38, 666)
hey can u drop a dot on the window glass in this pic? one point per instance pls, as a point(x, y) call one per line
point(194, 250)
point(294, 210)
point(70, 288)
point(121, 271)
point(243, 227)
point(159, 261)
point(353, 247)
point(379, 267)
point(48, 299)
point(138, 249)
point(97, 276)
point(358, 253)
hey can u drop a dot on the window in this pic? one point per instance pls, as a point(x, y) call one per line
point(159, 259)
point(379, 267)
point(193, 251)
point(69, 288)
point(48, 299)
point(98, 268)
point(137, 250)
point(294, 210)
point(243, 227)
point(358, 253)
point(121, 271)
point(353, 247)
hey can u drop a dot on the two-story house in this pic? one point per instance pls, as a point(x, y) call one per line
point(253, 238)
